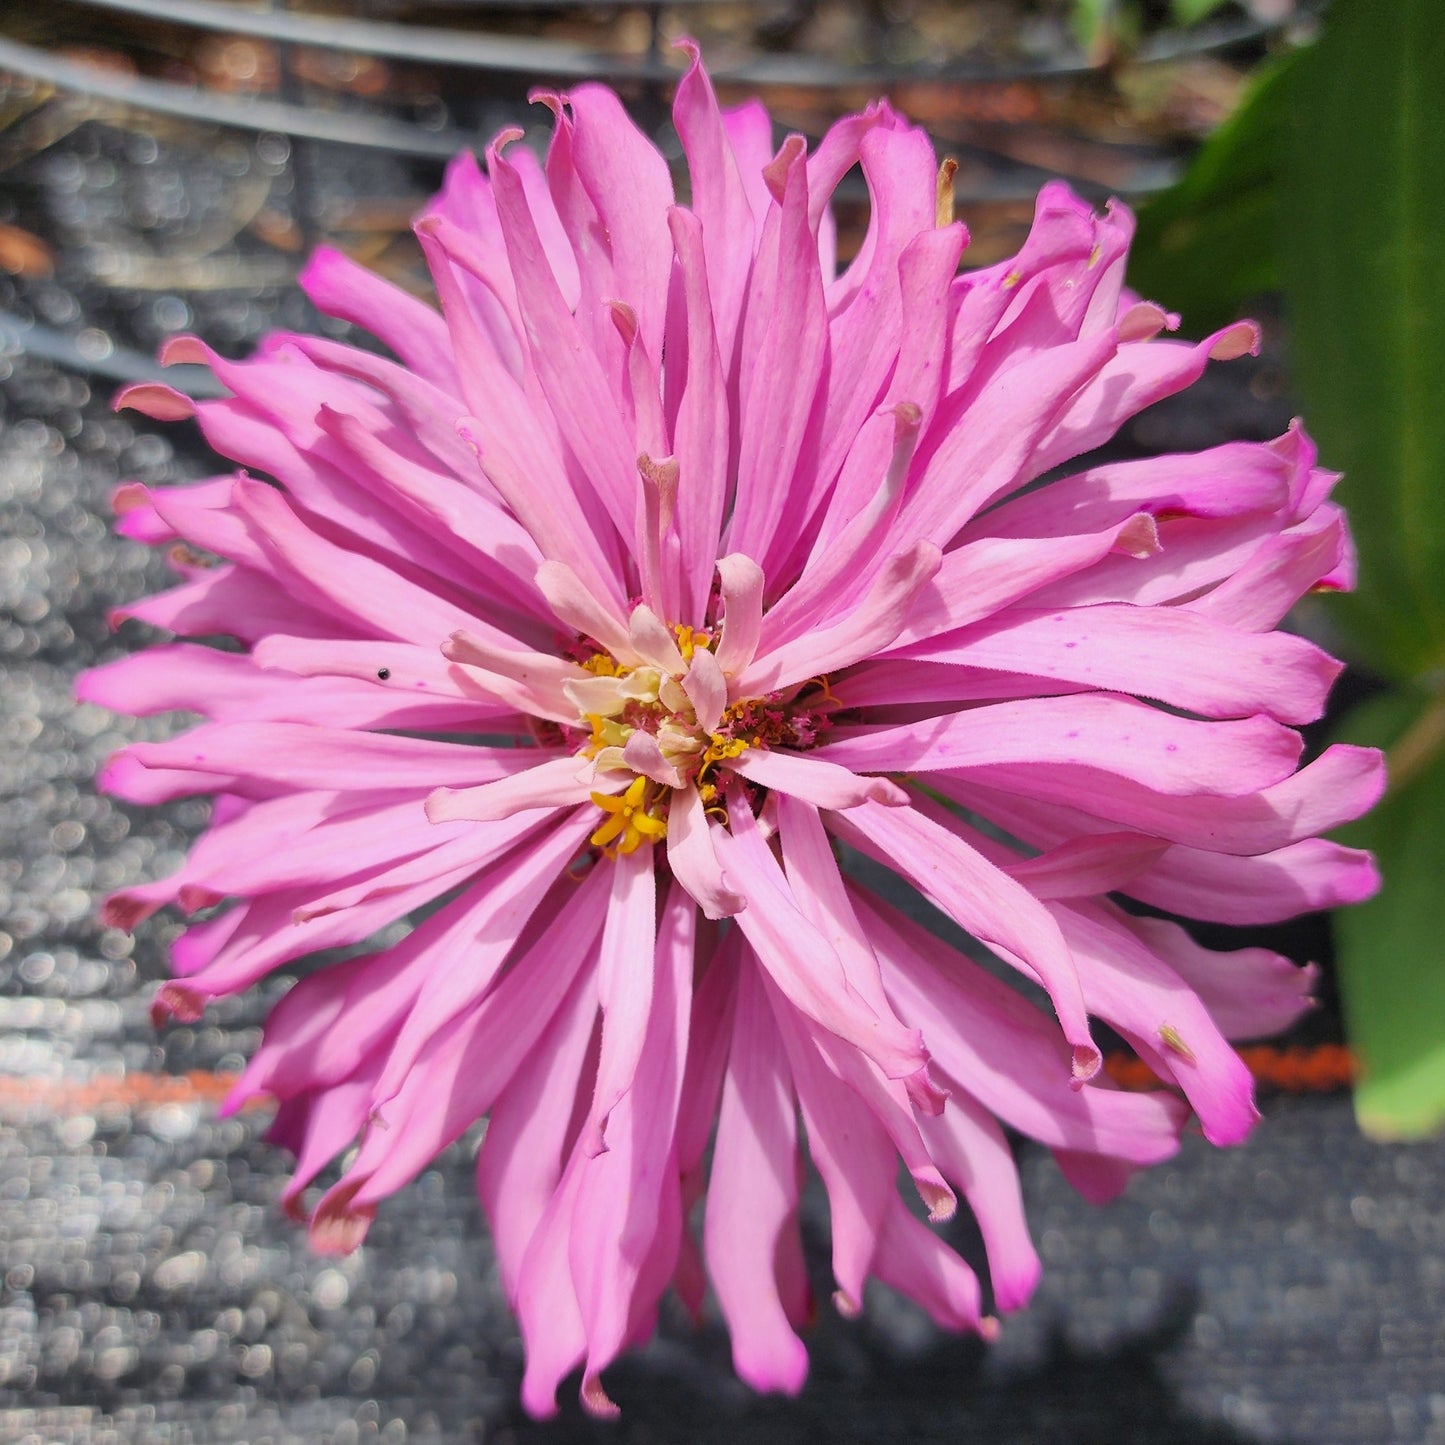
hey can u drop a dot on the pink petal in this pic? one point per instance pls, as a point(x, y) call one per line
point(1281, 570)
point(702, 419)
point(583, 610)
point(628, 181)
point(357, 586)
point(1338, 786)
point(742, 595)
point(979, 578)
point(555, 783)
point(870, 627)
point(629, 1220)
point(531, 1125)
point(972, 1151)
point(643, 755)
point(467, 1064)
point(706, 688)
point(340, 287)
point(1269, 888)
point(719, 198)
point(570, 377)
point(1081, 867)
point(1249, 992)
point(229, 687)
point(624, 989)
point(1013, 1058)
point(917, 1263)
point(518, 886)
point(532, 682)
point(848, 1147)
point(983, 900)
point(787, 345)
point(1091, 733)
point(1140, 374)
point(1164, 653)
point(752, 1199)
point(1128, 985)
point(811, 779)
point(313, 757)
point(1236, 479)
point(233, 602)
point(800, 960)
point(692, 859)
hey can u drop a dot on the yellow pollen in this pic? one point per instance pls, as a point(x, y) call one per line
point(825, 689)
point(720, 749)
point(1173, 1040)
point(601, 665)
point(689, 639)
point(628, 820)
point(607, 732)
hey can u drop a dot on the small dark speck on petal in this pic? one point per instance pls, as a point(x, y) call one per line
point(383, 673)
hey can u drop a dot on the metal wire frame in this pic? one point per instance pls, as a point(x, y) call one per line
point(471, 50)
point(518, 54)
point(118, 363)
point(344, 127)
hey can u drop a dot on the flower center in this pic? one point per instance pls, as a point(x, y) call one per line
point(674, 728)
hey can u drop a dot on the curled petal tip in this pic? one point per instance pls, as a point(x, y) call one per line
point(1086, 1063)
point(503, 138)
point(155, 400)
point(179, 350)
point(193, 897)
point(846, 1305)
point(339, 1226)
point(775, 173)
point(624, 318)
point(889, 794)
point(439, 805)
point(924, 1094)
point(1241, 339)
point(176, 1001)
point(941, 1201)
point(907, 416)
point(1143, 322)
point(123, 911)
point(594, 1138)
point(1138, 537)
point(596, 1401)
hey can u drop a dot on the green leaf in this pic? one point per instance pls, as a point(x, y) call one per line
point(1094, 24)
point(1209, 243)
point(1391, 950)
point(1190, 12)
point(1363, 263)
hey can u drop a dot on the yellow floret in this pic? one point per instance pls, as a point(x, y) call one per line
point(629, 822)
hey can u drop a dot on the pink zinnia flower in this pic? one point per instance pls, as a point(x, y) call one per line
point(661, 562)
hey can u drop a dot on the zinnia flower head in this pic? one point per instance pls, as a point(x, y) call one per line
point(662, 561)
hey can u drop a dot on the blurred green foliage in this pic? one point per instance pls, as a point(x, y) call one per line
point(1328, 185)
point(1103, 27)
